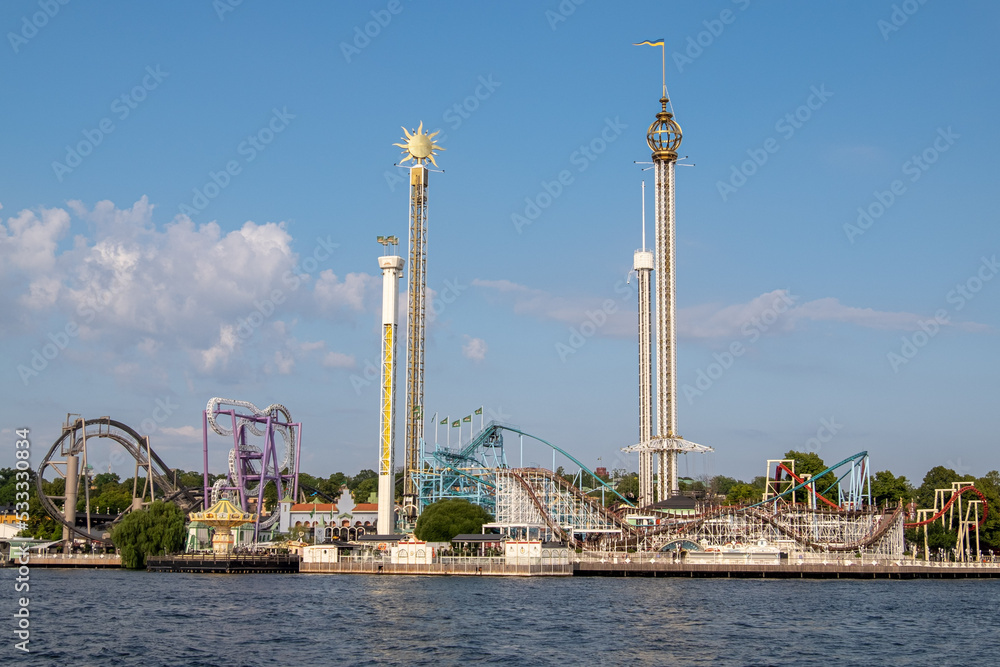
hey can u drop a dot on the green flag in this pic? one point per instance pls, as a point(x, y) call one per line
point(479, 411)
point(444, 422)
point(467, 418)
point(456, 424)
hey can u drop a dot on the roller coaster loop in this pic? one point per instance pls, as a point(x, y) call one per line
point(947, 506)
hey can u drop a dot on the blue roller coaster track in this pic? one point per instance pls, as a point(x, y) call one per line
point(467, 471)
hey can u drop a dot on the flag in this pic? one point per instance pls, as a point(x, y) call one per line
point(467, 418)
point(444, 422)
point(418, 411)
point(456, 424)
point(658, 42)
point(479, 411)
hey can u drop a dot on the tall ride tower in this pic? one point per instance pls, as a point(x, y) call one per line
point(643, 266)
point(392, 267)
point(660, 451)
point(420, 148)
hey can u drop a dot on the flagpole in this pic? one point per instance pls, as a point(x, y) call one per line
point(663, 52)
point(449, 431)
point(482, 418)
point(435, 429)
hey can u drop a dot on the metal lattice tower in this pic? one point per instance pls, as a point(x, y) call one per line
point(664, 138)
point(660, 451)
point(419, 147)
point(415, 333)
point(392, 266)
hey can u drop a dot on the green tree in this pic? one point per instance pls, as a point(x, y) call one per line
point(887, 488)
point(8, 485)
point(361, 477)
point(628, 486)
point(721, 484)
point(363, 491)
point(938, 477)
point(989, 533)
point(809, 463)
point(158, 529)
point(335, 481)
point(445, 519)
point(741, 492)
point(40, 525)
point(116, 500)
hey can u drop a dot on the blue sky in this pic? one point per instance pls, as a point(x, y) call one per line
point(141, 258)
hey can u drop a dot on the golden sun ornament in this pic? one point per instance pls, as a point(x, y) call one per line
point(419, 146)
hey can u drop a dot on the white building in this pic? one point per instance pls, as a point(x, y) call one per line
point(329, 521)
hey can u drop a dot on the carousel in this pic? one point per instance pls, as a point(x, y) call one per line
point(223, 516)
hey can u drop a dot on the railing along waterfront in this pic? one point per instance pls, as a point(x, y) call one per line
point(447, 565)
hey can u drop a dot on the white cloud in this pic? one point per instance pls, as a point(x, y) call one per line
point(129, 283)
point(217, 356)
point(284, 362)
point(474, 348)
point(309, 346)
point(546, 306)
point(28, 241)
point(338, 360)
point(190, 432)
point(778, 311)
point(333, 294)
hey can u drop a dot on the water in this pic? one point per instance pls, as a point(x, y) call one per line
point(138, 618)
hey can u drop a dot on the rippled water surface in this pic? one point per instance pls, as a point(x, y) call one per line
point(139, 618)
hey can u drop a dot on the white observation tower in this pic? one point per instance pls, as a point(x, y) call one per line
point(392, 267)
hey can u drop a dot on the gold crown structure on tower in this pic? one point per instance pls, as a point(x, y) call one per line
point(664, 134)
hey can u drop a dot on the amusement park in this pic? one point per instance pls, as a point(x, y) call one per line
point(542, 511)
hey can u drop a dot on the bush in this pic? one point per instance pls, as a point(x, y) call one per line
point(445, 519)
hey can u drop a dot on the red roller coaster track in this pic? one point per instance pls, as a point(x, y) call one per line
point(947, 506)
point(812, 489)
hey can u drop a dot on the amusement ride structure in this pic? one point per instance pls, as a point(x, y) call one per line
point(391, 265)
point(830, 511)
point(420, 148)
point(660, 451)
point(69, 458)
point(252, 466)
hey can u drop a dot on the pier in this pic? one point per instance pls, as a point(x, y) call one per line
point(85, 561)
point(224, 564)
point(786, 570)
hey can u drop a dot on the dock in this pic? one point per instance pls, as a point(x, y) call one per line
point(471, 567)
point(80, 561)
point(224, 564)
point(785, 569)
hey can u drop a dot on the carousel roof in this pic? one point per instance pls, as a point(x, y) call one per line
point(222, 513)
